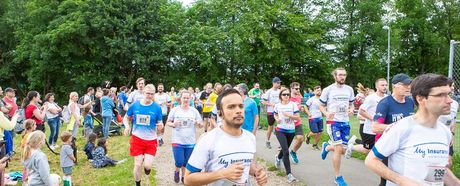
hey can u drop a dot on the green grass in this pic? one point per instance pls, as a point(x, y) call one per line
point(83, 172)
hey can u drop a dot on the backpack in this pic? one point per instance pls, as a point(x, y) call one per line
point(19, 127)
point(66, 114)
point(81, 100)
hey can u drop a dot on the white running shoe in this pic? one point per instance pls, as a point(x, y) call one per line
point(351, 143)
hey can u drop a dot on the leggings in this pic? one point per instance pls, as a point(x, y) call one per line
point(285, 140)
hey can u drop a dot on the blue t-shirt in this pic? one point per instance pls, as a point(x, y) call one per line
point(389, 110)
point(250, 112)
point(107, 106)
point(145, 118)
point(122, 96)
point(88, 121)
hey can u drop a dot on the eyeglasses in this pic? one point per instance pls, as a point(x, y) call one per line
point(297, 88)
point(442, 95)
point(285, 94)
point(150, 93)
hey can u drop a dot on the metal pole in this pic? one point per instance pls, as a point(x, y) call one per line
point(451, 58)
point(388, 58)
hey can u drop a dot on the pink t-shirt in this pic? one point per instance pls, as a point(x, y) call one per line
point(12, 103)
point(297, 100)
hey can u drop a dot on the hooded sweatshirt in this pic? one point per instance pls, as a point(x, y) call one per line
point(39, 169)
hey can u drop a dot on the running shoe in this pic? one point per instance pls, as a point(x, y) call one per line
point(277, 162)
point(314, 147)
point(260, 126)
point(293, 154)
point(351, 143)
point(182, 179)
point(176, 176)
point(267, 144)
point(291, 178)
point(324, 151)
point(340, 181)
point(307, 140)
point(147, 171)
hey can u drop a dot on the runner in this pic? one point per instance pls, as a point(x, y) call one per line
point(255, 94)
point(270, 99)
point(136, 95)
point(315, 118)
point(226, 154)
point(393, 108)
point(251, 114)
point(286, 113)
point(367, 111)
point(183, 119)
point(211, 102)
point(450, 121)
point(417, 146)
point(164, 100)
point(296, 98)
point(206, 109)
point(215, 119)
point(146, 117)
point(337, 103)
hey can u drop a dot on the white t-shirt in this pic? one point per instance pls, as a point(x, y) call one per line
point(50, 115)
point(214, 113)
point(217, 150)
point(184, 134)
point(272, 96)
point(447, 119)
point(313, 106)
point(338, 99)
point(370, 106)
point(134, 96)
point(162, 99)
point(415, 151)
point(286, 124)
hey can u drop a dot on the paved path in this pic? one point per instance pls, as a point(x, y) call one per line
point(314, 171)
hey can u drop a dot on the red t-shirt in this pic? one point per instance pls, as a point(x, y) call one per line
point(12, 103)
point(29, 111)
point(297, 100)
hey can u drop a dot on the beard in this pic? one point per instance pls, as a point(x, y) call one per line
point(234, 122)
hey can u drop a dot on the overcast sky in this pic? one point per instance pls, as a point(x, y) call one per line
point(187, 2)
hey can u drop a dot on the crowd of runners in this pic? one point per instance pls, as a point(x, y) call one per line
point(407, 135)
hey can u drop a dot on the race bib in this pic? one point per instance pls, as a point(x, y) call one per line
point(143, 119)
point(187, 123)
point(435, 175)
point(342, 109)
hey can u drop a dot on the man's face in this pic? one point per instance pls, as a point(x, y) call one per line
point(257, 86)
point(140, 85)
point(185, 98)
point(208, 88)
point(438, 100)
point(233, 110)
point(318, 92)
point(149, 94)
point(277, 84)
point(161, 88)
point(295, 90)
point(340, 77)
point(382, 86)
point(401, 89)
point(11, 94)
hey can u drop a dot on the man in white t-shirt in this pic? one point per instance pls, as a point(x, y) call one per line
point(337, 104)
point(225, 155)
point(367, 111)
point(270, 99)
point(417, 147)
point(164, 100)
point(136, 95)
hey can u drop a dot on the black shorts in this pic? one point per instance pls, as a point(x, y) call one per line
point(271, 119)
point(361, 132)
point(206, 115)
point(299, 130)
point(451, 150)
point(368, 141)
point(165, 119)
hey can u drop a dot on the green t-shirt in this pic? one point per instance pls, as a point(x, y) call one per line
point(255, 95)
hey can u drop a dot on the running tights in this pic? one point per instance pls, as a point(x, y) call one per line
point(285, 140)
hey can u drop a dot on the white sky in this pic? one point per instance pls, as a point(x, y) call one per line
point(187, 2)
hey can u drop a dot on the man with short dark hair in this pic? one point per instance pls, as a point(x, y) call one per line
point(136, 95)
point(251, 114)
point(270, 99)
point(296, 98)
point(225, 155)
point(417, 146)
point(164, 100)
point(89, 96)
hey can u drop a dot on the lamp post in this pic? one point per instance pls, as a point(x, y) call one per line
point(388, 54)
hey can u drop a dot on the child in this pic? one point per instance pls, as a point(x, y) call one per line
point(88, 121)
point(89, 147)
point(29, 128)
point(35, 161)
point(67, 157)
point(100, 158)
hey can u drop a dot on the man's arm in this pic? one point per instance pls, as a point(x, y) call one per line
point(256, 123)
point(258, 172)
point(375, 164)
point(364, 114)
point(450, 179)
point(233, 172)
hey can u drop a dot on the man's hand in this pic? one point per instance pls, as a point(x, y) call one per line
point(127, 130)
point(234, 172)
point(330, 115)
point(261, 176)
point(160, 126)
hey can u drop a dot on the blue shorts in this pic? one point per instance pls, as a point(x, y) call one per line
point(316, 125)
point(67, 170)
point(181, 155)
point(339, 132)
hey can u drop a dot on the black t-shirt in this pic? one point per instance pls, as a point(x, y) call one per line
point(97, 106)
point(204, 95)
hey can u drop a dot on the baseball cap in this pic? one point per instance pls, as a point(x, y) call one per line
point(276, 80)
point(9, 89)
point(401, 78)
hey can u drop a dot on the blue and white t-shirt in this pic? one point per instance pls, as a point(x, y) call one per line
point(184, 134)
point(286, 124)
point(370, 106)
point(162, 100)
point(337, 99)
point(218, 150)
point(313, 106)
point(145, 118)
point(415, 151)
point(271, 96)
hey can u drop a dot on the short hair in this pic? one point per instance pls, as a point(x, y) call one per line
point(244, 88)
point(294, 84)
point(334, 72)
point(223, 94)
point(105, 91)
point(316, 87)
point(89, 89)
point(162, 85)
point(123, 88)
point(378, 80)
point(422, 85)
point(65, 136)
point(139, 79)
point(150, 86)
point(48, 96)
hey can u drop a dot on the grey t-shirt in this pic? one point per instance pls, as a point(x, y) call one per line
point(66, 153)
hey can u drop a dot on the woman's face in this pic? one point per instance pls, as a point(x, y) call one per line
point(37, 98)
point(185, 98)
point(285, 95)
point(51, 99)
point(75, 98)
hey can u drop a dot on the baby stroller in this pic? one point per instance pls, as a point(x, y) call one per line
point(114, 128)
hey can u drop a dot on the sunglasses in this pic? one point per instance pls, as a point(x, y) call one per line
point(296, 88)
point(285, 94)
